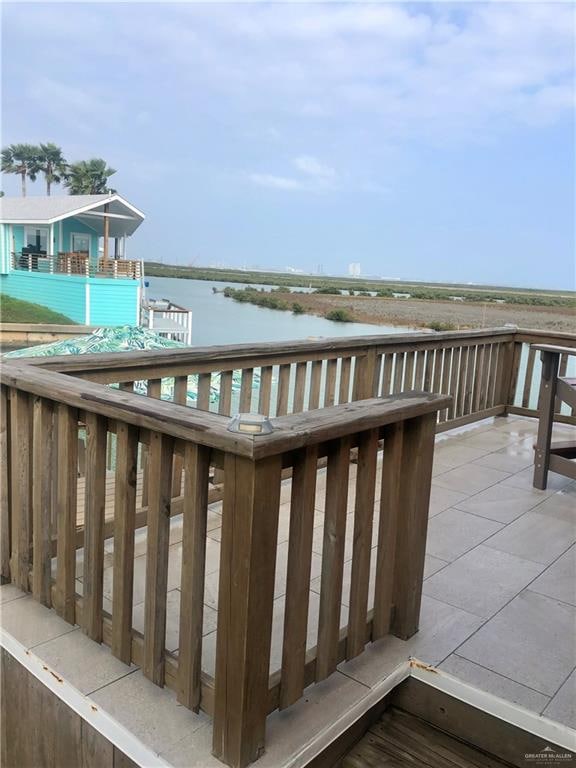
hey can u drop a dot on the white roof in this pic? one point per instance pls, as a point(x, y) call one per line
point(124, 218)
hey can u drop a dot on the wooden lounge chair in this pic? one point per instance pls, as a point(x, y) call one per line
point(549, 456)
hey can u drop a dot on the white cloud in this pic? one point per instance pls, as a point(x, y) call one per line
point(314, 176)
point(275, 182)
point(314, 168)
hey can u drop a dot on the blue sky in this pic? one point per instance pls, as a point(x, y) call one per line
point(425, 141)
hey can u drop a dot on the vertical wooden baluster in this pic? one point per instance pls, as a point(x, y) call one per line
point(330, 387)
point(454, 374)
point(95, 500)
point(497, 360)
point(437, 376)
point(419, 375)
point(509, 370)
point(283, 390)
point(225, 396)
point(5, 500)
point(298, 575)
point(300, 387)
point(417, 454)
point(124, 519)
point(428, 371)
point(387, 374)
point(154, 389)
point(446, 365)
point(528, 378)
point(245, 605)
point(390, 513)
point(42, 501)
point(398, 372)
point(195, 513)
point(315, 379)
point(487, 363)
point(265, 390)
point(479, 367)
point(67, 450)
point(21, 476)
point(462, 382)
point(362, 550)
point(157, 550)
point(246, 390)
point(409, 372)
point(180, 397)
point(336, 507)
point(204, 382)
point(471, 363)
point(366, 375)
point(344, 384)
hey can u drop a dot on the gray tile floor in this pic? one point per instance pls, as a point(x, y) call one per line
point(498, 610)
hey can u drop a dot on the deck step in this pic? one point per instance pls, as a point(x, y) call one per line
point(400, 740)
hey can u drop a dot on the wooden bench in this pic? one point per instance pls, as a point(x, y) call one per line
point(549, 456)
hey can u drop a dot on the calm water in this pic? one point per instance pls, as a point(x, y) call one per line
point(218, 320)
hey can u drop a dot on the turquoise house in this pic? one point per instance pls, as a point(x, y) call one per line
point(69, 254)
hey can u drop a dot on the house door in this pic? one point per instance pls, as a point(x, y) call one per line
point(80, 243)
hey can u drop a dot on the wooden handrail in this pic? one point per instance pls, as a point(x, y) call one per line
point(106, 366)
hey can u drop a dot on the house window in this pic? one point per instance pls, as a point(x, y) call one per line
point(36, 240)
point(80, 243)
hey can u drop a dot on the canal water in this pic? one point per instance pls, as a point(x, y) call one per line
point(219, 320)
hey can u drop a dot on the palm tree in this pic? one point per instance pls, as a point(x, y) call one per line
point(21, 159)
point(52, 164)
point(88, 177)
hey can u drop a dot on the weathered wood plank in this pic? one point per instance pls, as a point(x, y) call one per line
point(265, 394)
point(362, 548)
point(246, 594)
point(195, 512)
point(67, 450)
point(21, 480)
point(160, 476)
point(387, 375)
point(417, 454)
point(330, 385)
point(315, 380)
point(124, 522)
point(298, 575)
point(180, 398)
point(5, 481)
point(344, 383)
point(299, 387)
point(246, 382)
point(336, 504)
point(390, 511)
point(528, 378)
point(283, 390)
point(43, 443)
point(94, 502)
point(203, 399)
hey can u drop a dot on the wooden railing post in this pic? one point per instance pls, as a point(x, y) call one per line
point(413, 500)
point(5, 516)
point(365, 375)
point(509, 366)
point(245, 603)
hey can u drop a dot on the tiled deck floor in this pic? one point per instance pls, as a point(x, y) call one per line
point(499, 605)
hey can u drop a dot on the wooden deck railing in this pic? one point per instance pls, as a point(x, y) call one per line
point(76, 264)
point(147, 459)
point(486, 372)
point(43, 412)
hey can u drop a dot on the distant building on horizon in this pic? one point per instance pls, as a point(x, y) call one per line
point(354, 269)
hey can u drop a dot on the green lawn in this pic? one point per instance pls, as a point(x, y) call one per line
point(17, 311)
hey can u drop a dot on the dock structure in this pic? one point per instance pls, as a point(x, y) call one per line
point(167, 319)
point(261, 594)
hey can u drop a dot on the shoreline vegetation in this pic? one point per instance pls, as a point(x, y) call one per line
point(17, 311)
point(433, 306)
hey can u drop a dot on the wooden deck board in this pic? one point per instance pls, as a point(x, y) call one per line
point(404, 741)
